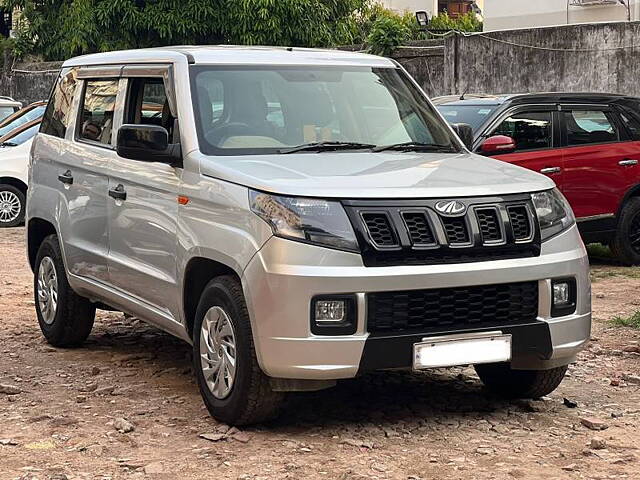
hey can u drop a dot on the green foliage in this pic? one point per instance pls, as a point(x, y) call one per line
point(632, 321)
point(58, 29)
point(387, 33)
point(464, 23)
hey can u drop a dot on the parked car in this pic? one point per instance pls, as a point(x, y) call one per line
point(300, 217)
point(8, 106)
point(14, 166)
point(27, 114)
point(589, 144)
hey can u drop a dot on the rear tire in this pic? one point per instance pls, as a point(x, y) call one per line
point(12, 203)
point(65, 318)
point(501, 379)
point(626, 244)
point(232, 385)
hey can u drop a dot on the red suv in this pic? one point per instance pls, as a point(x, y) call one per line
point(589, 144)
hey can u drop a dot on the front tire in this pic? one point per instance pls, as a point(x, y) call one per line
point(65, 318)
point(232, 385)
point(626, 244)
point(12, 203)
point(501, 379)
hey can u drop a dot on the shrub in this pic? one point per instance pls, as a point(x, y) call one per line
point(388, 32)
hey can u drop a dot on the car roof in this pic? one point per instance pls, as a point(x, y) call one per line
point(6, 101)
point(232, 55)
point(542, 97)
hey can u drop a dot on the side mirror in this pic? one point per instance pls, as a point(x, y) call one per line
point(147, 143)
point(498, 144)
point(465, 132)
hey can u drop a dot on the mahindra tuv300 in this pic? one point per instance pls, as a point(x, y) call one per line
point(300, 217)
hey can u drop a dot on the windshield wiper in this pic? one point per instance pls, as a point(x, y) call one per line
point(324, 146)
point(416, 146)
point(8, 144)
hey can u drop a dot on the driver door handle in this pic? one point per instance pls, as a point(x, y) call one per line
point(118, 193)
point(627, 162)
point(66, 177)
point(550, 170)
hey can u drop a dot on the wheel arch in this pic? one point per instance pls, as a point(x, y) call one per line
point(631, 193)
point(14, 182)
point(37, 230)
point(198, 272)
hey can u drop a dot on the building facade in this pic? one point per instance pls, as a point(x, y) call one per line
point(433, 7)
point(510, 14)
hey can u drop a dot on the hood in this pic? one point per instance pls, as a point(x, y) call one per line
point(376, 175)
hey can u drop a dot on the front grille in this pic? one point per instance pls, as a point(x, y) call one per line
point(420, 230)
point(456, 230)
point(520, 223)
point(452, 309)
point(414, 232)
point(489, 223)
point(380, 230)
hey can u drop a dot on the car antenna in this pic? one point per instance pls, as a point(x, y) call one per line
point(463, 94)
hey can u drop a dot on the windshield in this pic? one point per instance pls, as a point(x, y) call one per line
point(23, 136)
point(474, 115)
point(24, 116)
point(255, 110)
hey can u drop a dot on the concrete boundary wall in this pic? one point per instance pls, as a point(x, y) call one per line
point(600, 57)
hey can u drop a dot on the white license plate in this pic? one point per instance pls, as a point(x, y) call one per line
point(464, 349)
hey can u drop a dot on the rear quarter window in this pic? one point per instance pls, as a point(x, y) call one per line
point(57, 116)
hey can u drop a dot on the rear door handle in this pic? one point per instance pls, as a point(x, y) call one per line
point(66, 177)
point(118, 193)
point(550, 170)
point(627, 163)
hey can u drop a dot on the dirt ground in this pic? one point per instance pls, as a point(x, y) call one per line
point(63, 422)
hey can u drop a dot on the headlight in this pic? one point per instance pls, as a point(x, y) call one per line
point(310, 220)
point(553, 211)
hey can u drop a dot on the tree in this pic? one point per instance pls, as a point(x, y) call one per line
point(58, 29)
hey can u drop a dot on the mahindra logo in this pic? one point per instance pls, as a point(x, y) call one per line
point(451, 208)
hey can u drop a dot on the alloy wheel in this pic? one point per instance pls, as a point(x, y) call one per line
point(10, 206)
point(218, 352)
point(47, 290)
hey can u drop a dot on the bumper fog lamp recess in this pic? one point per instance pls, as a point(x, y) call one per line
point(334, 315)
point(561, 294)
point(564, 297)
point(330, 311)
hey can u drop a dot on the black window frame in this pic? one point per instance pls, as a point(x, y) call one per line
point(77, 137)
point(632, 115)
point(502, 116)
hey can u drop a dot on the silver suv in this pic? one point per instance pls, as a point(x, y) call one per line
point(300, 217)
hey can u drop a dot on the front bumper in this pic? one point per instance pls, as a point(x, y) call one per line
point(284, 276)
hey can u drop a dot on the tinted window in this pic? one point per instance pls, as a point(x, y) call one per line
point(260, 110)
point(24, 116)
point(632, 124)
point(530, 130)
point(98, 105)
point(474, 115)
point(58, 114)
point(589, 126)
point(147, 103)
